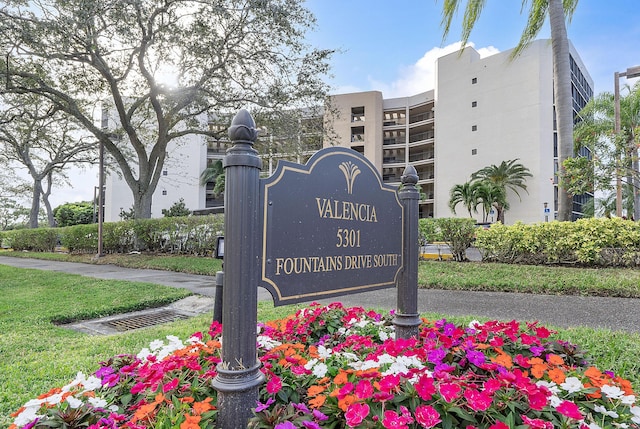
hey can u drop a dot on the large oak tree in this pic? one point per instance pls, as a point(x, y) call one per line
point(221, 55)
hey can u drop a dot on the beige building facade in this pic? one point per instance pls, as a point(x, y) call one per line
point(482, 111)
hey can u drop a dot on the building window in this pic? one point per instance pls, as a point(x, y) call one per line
point(164, 192)
point(357, 114)
point(357, 134)
point(474, 151)
point(474, 104)
point(474, 128)
point(165, 172)
point(474, 80)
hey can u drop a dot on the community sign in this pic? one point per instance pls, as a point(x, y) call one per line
point(330, 227)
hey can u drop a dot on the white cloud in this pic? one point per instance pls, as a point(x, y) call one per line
point(420, 77)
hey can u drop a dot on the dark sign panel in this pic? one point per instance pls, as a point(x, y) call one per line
point(330, 227)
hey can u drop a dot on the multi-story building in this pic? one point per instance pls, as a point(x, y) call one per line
point(482, 111)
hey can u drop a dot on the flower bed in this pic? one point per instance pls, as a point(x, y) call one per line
point(336, 367)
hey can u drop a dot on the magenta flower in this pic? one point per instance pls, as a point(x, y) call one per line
point(449, 391)
point(427, 416)
point(393, 420)
point(311, 425)
point(477, 401)
point(425, 387)
point(285, 425)
point(499, 425)
point(536, 423)
point(262, 407)
point(170, 385)
point(364, 389)
point(356, 413)
point(570, 410)
point(274, 384)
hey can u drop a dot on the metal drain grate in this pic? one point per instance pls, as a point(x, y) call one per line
point(144, 320)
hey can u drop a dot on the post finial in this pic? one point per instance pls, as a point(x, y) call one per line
point(243, 128)
point(409, 175)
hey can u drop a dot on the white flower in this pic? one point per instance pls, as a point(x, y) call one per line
point(350, 356)
point(267, 343)
point(555, 401)
point(383, 336)
point(553, 387)
point(310, 364)
point(92, 383)
point(621, 425)
point(320, 370)
point(113, 408)
point(97, 402)
point(385, 358)
point(572, 385)
point(593, 426)
point(362, 323)
point(602, 410)
point(53, 399)
point(26, 417)
point(628, 399)
point(612, 392)
point(156, 344)
point(324, 352)
point(474, 324)
point(74, 402)
point(635, 410)
point(144, 354)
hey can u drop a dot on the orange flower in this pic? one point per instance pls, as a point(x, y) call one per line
point(342, 377)
point(187, 400)
point(535, 361)
point(144, 412)
point(503, 359)
point(318, 401)
point(203, 406)
point(315, 390)
point(191, 422)
point(538, 370)
point(21, 409)
point(344, 403)
point(557, 375)
point(625, 385)
point(555, 359)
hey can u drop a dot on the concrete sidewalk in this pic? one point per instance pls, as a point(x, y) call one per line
point(622, 314)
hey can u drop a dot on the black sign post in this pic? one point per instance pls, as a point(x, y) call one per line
point(239, 374)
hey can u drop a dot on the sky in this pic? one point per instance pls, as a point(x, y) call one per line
point(391, 46)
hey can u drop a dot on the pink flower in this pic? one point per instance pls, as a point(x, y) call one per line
point(536, 423)
point(427, 416)
point(393, 420)
point(274, 384)
point(499, 425)
point(449, 391)
point(389, 383)
point(364, 389)
point(425, 387)
point(477, 401)
point(356, 413)
point(570, 410)
point(170, 385)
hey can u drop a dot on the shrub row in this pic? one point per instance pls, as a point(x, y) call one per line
point(194, 235)
point(589, 242)
point(458, 233)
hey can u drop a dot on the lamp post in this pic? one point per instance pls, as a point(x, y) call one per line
point(631, 72)
point(100, 197)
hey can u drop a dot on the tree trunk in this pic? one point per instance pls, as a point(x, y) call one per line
point(635, 164)
point(35, 204)
point(563, 100)
point(45, 199)
point(142, 204)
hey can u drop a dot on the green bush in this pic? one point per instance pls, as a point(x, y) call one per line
point(428, 231)
point(33, 240)
point(589, 242)
point(458, 233)
point(74, 214)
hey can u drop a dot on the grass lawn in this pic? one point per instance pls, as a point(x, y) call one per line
point(36, 355)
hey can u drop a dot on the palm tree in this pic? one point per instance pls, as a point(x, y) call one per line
point(491, 195)
point(214, 173)
point(508, 175)
point(558, 11)
point(467, 194)
point(611, 156)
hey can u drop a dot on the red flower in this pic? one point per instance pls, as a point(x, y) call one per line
point(449, 391)
point(170, 385)
point(427, 416)
point(499, 425)
point(477, 401)
point(570, 410)
point(393, 420)
point(356, 413)
point(364, 389)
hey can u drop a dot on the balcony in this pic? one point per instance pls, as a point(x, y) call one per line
point(413, 138)
point(421, 156)
point(357, 138)
point(357, 118)
point(426, 116)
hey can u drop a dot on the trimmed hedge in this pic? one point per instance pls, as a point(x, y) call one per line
point(587, 242)
point(191, 235)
